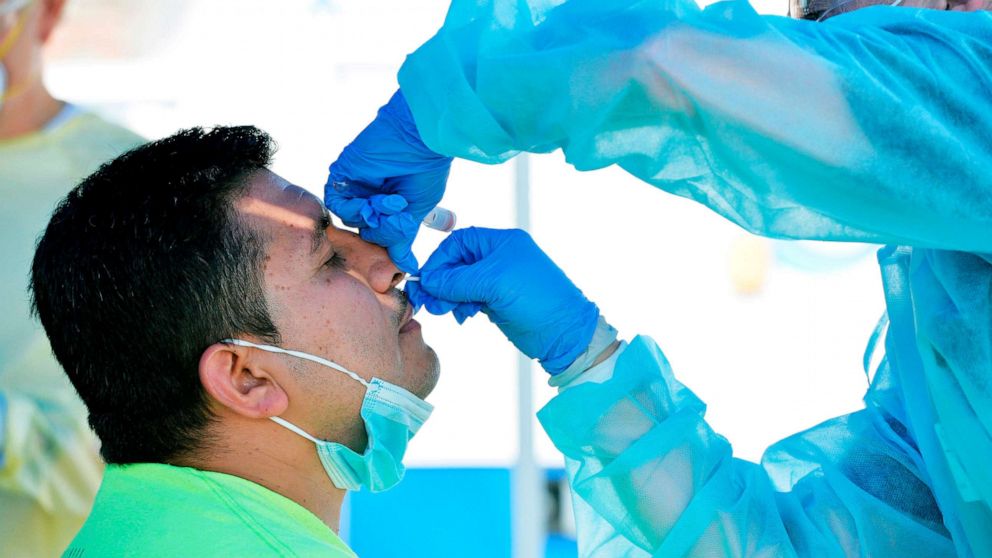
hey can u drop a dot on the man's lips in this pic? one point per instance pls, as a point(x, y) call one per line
point(412, 325)
point(408, 322)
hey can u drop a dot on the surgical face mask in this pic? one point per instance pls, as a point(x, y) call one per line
point(392, 415)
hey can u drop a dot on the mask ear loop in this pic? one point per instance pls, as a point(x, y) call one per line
point(298, 354)
point(288, 425)
point(305, 356)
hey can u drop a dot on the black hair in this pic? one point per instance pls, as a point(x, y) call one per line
point(143, 266)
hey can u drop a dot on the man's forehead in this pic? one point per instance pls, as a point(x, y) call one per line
point(280, 203)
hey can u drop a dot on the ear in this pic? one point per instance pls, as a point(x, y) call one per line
point(240, 383)
point(51, 13)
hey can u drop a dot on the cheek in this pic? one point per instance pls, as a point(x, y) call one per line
point(343, 320)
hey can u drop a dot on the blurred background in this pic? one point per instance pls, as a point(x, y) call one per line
point(770, 334)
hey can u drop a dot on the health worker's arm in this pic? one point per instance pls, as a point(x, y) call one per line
point(872, 126)
point(651, 478)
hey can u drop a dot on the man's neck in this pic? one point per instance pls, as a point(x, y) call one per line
point(27, 111)
point(290, 467)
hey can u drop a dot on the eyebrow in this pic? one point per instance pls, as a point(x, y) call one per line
point(319, 234)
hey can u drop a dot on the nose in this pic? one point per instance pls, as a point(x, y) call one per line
point(372, 261)
point(384, 275)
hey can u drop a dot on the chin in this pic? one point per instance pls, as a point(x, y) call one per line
point(421, 367)
point(432, 374)
point(424, 372)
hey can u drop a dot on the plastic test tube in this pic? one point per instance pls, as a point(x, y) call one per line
point(440, 219)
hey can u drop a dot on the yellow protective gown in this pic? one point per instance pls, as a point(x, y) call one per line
point(49, 465)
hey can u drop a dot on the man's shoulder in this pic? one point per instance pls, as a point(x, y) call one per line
point(159, 510)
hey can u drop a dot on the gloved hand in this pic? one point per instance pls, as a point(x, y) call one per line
point(386, 181)
point(507, 276)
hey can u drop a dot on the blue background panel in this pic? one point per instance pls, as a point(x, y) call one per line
point(439, 512)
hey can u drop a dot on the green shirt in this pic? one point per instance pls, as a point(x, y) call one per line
point(151, 509)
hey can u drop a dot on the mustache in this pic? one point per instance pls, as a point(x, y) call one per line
point(402, 303)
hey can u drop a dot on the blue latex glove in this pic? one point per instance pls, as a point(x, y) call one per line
point(386, 181)
point(507, 276)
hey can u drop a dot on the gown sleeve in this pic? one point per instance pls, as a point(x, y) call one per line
point(651, 478)
point(873, 126)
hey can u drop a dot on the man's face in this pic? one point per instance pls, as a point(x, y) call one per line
point(334, 295)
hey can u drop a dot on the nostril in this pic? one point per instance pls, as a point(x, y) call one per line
point(397, 279)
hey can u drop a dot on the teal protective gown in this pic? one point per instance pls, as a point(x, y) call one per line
point(874, 126)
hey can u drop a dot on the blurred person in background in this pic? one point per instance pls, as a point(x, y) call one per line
point(49, 465)
point(867, 125)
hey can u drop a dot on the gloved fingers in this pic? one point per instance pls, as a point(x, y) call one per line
point(402, 255)
point(386, 158)
point(422, 190)
point(473, 283)
point(389, 230)
point(422, 299)
point(360, 212)
point(352, 212)
point(468, 265)
point(463, 247)
point(387, 204)
point(466, 310)
point(460, 311)
point(341, 183)
point(416, 294)
point(396, 233)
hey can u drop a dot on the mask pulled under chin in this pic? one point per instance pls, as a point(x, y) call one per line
point(392, 415)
